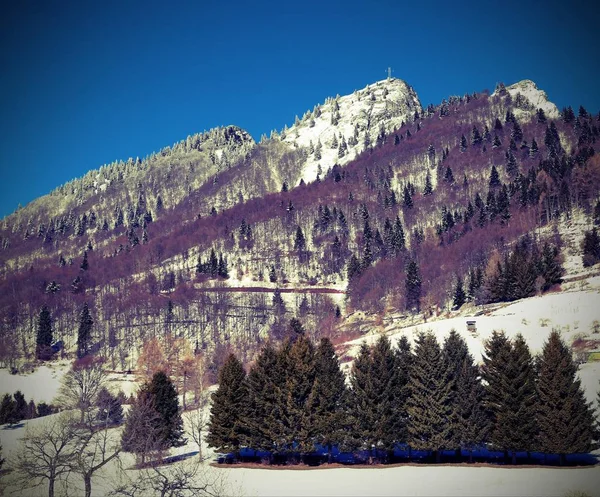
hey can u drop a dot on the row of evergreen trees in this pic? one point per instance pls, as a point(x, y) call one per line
point(433, 398)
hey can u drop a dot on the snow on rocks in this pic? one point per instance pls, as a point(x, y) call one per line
point(388, 103)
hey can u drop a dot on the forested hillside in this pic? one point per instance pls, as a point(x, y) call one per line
point(221, 241)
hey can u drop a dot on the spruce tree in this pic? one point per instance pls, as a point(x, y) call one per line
point(399, 240)
point(110, 410)
point(296, 412)
point(430, 403)
point(84, 333)
point(166, 404)
point(361, 410)
point(8, 414)
point(459, 297)
point(226, 426)
point(566, 420)
point(299, 240)
point(44, 334)
point(385, 396)
point(428, 189)
point(259, 415)
point(413, 286)
point(510, 393)
point(20, 406)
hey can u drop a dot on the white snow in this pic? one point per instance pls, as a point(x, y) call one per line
point(536, 97)
point(359, 108)
point(39, 385)
point(417, 480)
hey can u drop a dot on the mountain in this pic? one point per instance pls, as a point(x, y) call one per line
point(368, 205)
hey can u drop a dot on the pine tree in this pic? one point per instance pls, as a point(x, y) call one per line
point(459, 295)
point(413, 286)
point(84, 263)
point(469, 420)
point(110, 410)
point(449, 176)
point(44, 334)
point(407, 198)
point(20, 406)
point(296, 411)
point(428, 189)
point(361, 400)
point(399, 240)
point(385, 396)
point(166, 404)
point(213, 264)
point(552, 269)
point(510, 393)
point(226, 425)
point(566, 420)
point(259, 415)
point(299, 240)
point(494, 178)
point(429, 405)
point(8, 414)
point(84, 333)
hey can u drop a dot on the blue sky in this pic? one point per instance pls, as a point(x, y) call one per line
point(86, 83)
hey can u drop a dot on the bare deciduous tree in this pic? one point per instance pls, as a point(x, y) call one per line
point(48, 451)
point(81, 384)
point(180, 479)
point(97, 446)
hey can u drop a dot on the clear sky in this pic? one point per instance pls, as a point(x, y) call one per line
point(83, 83)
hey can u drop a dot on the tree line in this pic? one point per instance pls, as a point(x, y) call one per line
point(296, 400)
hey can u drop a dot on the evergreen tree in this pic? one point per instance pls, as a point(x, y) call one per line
point(226, 426)
point(510, 393)
point(512, 168)
point(361, 400)
point(469, 418)
point(385, 395)
point(463, 143)
point(44, 334)
point(166, 404)
point(329, 399)
point(257, 426)
point(110, 410)
point(354, 267)
point(566, 420)
point(20, 406)
point(296, 403)
point(84, 333)
point(413, 286)
point(449, 176)
point(552, 269)
point(407, 198)
point(494, 178)
point(299, 240)
point(591, 247)
point(399, 240)
point(8, 412)
point(84, 263)
point(428, 189)
point(459, 295)
point(429, 405)
point(213, 264)
point(222, 270)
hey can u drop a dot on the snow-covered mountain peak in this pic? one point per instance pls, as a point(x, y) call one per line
point(338, 130)
point(534, 99)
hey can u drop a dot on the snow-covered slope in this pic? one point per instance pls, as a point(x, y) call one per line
point(535, 99)
point(346, 120)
